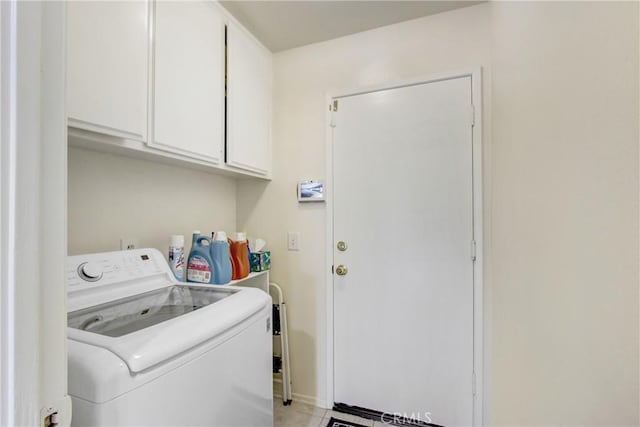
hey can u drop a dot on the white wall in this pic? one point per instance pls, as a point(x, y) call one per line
point(302, 79)
point(565, 213)
point(112, 196)
point(560, 203)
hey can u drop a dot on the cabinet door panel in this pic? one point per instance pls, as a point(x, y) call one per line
point(107, 67)
point(248, 102)
point(189, 79)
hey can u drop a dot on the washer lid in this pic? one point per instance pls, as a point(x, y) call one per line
point(149, 328)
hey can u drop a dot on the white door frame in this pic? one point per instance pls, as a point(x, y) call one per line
point(33, 205)
point(478, 286)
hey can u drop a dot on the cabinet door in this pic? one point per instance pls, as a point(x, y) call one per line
point(189, 79)
point(248, 102)
point(107, 67)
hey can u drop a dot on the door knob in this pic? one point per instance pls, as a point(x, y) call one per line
point(341, 270)
point(342, 246)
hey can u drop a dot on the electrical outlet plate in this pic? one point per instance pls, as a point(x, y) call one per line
point(127, 243)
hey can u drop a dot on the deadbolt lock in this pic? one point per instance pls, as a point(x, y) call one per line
point(341, 270)
point(342, 246)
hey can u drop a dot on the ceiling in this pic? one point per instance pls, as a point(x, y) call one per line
point(282, 25)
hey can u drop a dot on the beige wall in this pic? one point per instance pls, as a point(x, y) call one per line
point(113, 196)
point(565, 213)
point(560, 203)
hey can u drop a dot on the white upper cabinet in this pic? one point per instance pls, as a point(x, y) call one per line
point(107, 67)
point(148, 78)
point(249, 79)
point(188, 79)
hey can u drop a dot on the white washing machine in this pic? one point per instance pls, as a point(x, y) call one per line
point(145, 349)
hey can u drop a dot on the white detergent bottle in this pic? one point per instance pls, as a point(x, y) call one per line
point(176, 256)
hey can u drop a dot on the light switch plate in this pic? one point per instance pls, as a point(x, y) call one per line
point(293, 241)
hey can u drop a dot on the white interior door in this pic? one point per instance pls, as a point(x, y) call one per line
point(403, 204)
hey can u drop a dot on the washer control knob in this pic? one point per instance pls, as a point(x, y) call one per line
point(90, 271)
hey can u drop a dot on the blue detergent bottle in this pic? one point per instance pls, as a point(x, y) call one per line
point(200, 265)
point(220, 257)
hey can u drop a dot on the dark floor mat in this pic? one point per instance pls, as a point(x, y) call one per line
point(335, 422)
point(386, 418)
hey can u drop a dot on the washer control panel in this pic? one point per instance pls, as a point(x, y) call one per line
point(104, 269)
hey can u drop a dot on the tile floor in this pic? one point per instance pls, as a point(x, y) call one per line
point(302, 415)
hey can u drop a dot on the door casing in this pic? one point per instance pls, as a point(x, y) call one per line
point(33, 206)
point(478, 284)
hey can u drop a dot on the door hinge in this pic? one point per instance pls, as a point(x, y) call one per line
point(333, 108)
point(473, 383)
point(51, 420)
point(56, 414)
point(473, 250)
point(332, 269)
point(473, 115)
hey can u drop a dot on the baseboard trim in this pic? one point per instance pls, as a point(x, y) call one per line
point(309, 400)
point(297, 397)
